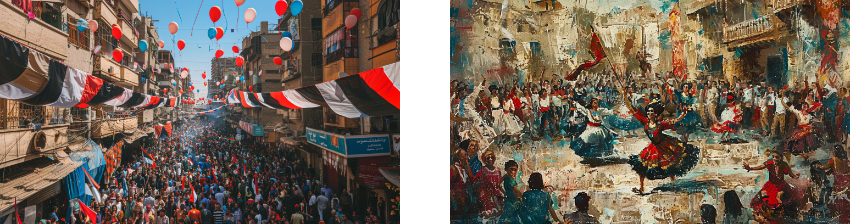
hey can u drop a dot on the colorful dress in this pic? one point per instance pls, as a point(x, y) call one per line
point(665, 155)
point(596, 140)
point(490, 193)
point(730, 120)
point(803, 139)
point(690, 123)
point(535, 207)
point(512, 206)
point(768, 199)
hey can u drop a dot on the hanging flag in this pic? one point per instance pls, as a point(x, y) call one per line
point(91, 180)
point(598, 54)
point(678, 57)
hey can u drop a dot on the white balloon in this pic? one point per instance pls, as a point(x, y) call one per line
point(172, 28)
point(286, 44)
point(250, 14)
point(183, 74)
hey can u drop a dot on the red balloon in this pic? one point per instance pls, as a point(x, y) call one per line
point(116, 32)
point(215, 13)
point(235, 49)
point(205, 83)
point(185, 69)
point(219, 33)
point(280, 7)
point(181, 44)
point(117, 54)
point(278, 61)
point(192, 87)
point(239, 61)
point(181, 92)
point(251, 88)
point(356, 12)
point(204, 76)
point(219, 53)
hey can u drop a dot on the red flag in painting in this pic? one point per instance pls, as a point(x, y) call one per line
point(598, 55)
point(91, 180)
point(87, 211)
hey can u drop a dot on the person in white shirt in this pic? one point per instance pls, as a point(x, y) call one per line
point(778, 126)
point(747, 103)
point(596, 140)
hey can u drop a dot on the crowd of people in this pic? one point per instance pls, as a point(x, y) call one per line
point(199, 177)
point(589, 113)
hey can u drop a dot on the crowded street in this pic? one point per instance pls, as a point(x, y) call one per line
point(113, 111)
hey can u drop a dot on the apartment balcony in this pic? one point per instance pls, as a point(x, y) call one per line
point(781, 5)
point(109, 69)
point(333, 119)
point(26, 131)
point(164, 83)
point(111, 126)
point(748, 29)
point(132, 5)
point(104, 11)
point(40, 33)
point(334, 13)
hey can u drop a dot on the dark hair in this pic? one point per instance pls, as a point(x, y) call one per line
point(708, 213)
point(582, 201)
point(510, 163)
point(839, 152)
point(535, 181)
point(732, 203)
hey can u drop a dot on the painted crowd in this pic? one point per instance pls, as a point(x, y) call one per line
point(592, 113)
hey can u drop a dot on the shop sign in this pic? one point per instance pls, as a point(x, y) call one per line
point(367, 145)
point(369, 173)
point(328, 141)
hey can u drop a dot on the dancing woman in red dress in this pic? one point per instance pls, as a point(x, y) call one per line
point(665, 156)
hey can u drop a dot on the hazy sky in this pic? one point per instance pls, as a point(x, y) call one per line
point(199, 48)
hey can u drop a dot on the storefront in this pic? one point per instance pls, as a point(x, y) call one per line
point(353, 162)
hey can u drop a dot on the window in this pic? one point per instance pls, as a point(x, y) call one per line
point(81, 39)
point(341, 43)
point(105, 39)
point(388, 13)
point(316, 24)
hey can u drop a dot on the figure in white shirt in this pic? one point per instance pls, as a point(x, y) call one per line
point(597, 140)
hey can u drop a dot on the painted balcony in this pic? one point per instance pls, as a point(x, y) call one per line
point(748, 29)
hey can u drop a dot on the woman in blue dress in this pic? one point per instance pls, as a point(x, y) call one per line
point(513, 202)
point(690, 123)
point(536, 204)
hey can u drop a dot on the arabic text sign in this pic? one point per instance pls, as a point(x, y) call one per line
point(367, 145)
